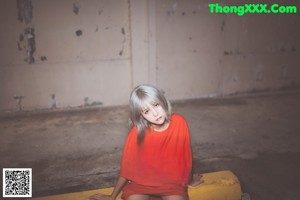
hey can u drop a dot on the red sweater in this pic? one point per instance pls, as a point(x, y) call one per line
point(163, 158)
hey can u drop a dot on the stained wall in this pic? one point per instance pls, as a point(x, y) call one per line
point(75, 53)
point(204, 54)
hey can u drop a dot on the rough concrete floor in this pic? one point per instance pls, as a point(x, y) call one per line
point(255, 137)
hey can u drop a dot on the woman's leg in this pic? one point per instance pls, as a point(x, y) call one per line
point(174, 197)
point(138, 197)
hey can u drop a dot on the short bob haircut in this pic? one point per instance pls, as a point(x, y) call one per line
point(141, 97)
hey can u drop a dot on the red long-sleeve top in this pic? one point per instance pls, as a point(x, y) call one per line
point(162, 158)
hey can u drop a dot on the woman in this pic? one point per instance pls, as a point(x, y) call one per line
point(157, 158)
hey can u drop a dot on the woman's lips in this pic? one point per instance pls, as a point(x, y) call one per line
point(158, 119)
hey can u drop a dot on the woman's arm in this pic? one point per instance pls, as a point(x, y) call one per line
point(118, 187)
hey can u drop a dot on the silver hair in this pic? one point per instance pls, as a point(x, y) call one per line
point(140, 97)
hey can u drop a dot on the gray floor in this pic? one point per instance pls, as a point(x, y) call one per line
point(255, 137)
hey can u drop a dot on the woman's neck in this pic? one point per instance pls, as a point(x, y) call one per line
point(160, 128)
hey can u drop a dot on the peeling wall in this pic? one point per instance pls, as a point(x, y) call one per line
point(26, 41)
point(61, 54)
point(76, 53)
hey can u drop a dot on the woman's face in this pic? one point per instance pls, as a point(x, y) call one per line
point(154, 114)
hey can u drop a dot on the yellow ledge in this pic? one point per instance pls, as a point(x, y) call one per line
point(221, 185)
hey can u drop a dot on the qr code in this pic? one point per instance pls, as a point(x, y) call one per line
point(17, 182)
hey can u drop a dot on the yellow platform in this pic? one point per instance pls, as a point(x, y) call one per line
point(221, 185)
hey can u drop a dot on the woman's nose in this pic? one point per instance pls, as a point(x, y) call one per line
point(154, 112)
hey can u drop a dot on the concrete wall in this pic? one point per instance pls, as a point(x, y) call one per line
point(81, 53)
point(200, 54)
point(70, 53)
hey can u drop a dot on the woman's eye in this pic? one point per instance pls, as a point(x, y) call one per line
point(146, 111)
point(156, 104)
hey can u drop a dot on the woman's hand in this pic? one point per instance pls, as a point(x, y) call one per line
point(196, 180)
point(101, 197)
point(114, 195)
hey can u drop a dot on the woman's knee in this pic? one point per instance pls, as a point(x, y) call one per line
point(138, 197)
point(174, 197)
